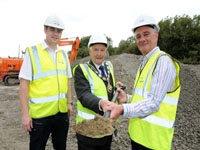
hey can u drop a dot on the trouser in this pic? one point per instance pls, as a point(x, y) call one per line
point(136, 146)
point(57, 125)
point(87, 143)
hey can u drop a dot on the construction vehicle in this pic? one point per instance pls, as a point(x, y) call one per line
point(75, 46)
point(9, 70)
point(10, 67)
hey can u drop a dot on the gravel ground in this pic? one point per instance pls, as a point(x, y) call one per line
point(187, 131)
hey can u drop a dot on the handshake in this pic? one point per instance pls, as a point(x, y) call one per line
point(110, 108)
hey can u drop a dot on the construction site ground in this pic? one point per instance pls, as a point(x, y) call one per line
point(187, 130)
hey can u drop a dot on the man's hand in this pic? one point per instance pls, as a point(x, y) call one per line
point(122, 97)
point(69, 106)
point(27, 122)
point(103, 104)
point(116, 110)
point(119, 84)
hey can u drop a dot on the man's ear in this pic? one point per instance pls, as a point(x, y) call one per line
point(89, 50)
point(156, 34)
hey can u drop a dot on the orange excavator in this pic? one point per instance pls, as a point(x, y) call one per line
point(9, 70)
point(10, 67)
point(75, 46)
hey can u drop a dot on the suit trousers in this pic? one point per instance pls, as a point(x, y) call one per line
point(88, 143)
point(56, 125)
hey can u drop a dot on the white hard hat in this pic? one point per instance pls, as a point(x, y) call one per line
point(145, 20)
point(54, 21)
point(97, 39)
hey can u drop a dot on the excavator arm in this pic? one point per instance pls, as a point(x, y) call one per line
point(75, 45)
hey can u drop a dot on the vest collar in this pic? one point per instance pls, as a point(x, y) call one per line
point(151, 53)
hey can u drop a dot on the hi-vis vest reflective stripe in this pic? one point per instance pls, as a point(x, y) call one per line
point(156, 130)
point(97, 87)
point(48, 89)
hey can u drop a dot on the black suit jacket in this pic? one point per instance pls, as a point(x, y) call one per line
point(83, 91)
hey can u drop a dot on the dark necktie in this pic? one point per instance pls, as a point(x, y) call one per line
point(102, 71)
point(103, 74)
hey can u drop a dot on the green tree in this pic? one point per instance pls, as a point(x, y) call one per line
point(128, 46)
point(111, 49)
point(180, 37)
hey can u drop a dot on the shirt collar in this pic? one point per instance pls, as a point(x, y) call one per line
point(147, 56)
point(97, 66)
point(46, 47)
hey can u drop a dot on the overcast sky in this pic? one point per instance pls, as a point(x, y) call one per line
point(22, 20)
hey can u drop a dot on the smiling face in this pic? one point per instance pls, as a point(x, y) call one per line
point(53, 35)
point(98, 53)
point(146, 39)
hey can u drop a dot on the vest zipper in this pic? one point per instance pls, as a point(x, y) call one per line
point(58, 84)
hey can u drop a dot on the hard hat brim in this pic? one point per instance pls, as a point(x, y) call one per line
point(58, 27)
point(149, 25)
point(97, 43)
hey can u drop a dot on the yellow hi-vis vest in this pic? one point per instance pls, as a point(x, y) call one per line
point(98, 88)
point(156, 130)
point(48, 89)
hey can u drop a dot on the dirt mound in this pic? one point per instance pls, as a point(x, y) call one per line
point(99, 126)
point(187, 131)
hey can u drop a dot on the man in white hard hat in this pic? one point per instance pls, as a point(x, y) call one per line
point(45, 90)
point(94, 86)
point(153, 104)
